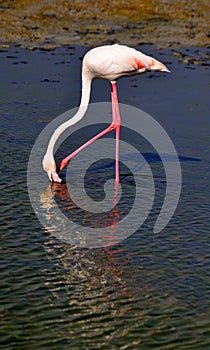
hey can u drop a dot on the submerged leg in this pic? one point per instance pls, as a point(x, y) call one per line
point(114, 125)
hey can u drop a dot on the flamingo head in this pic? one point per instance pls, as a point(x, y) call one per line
point(49, 166)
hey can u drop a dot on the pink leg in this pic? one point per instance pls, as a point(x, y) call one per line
point(117, 123)
point(114, 125)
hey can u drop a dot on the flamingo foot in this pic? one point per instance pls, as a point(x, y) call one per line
point(63, 163)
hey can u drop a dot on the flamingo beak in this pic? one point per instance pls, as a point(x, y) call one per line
point(53, 176)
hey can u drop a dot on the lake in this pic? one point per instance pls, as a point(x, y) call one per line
point(150, 290)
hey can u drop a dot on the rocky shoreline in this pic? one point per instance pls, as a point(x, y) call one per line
point(47, 25)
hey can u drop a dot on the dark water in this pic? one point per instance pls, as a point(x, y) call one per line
point(150, 291)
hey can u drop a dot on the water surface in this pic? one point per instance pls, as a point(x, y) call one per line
point(150, 291)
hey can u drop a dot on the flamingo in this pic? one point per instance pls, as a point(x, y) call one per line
point(109, 62)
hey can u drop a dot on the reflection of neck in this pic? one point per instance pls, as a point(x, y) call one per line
point(86, 87)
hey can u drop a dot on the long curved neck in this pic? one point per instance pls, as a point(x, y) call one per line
point(86, 88)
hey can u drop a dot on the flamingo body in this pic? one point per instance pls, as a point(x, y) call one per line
point(111, 62)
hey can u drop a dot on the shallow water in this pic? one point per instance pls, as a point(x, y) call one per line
point(149, 291)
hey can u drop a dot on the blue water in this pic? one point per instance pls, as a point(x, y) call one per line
point(149, 291)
